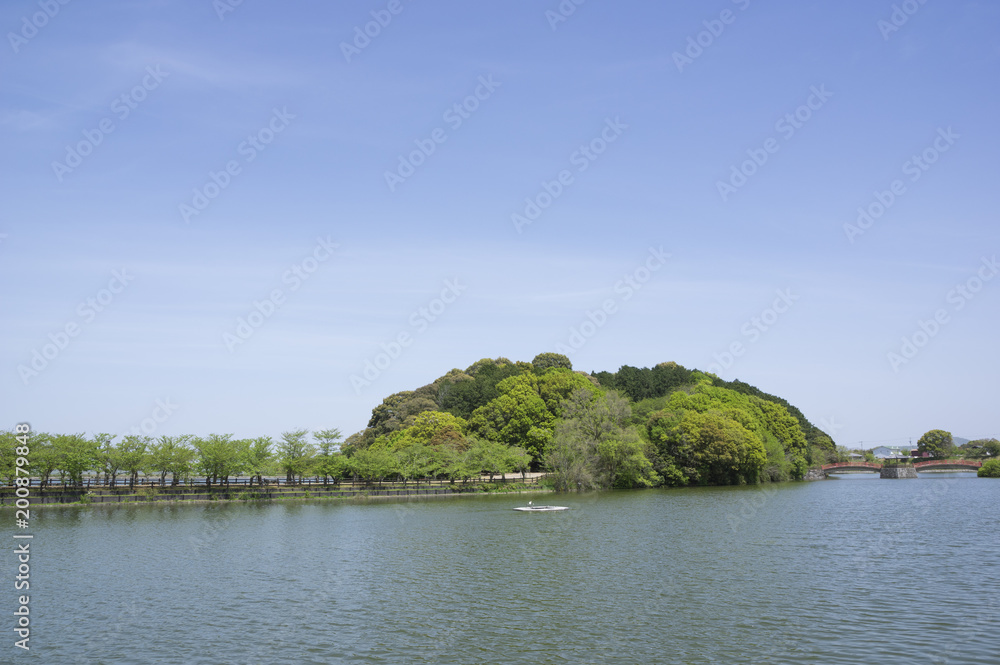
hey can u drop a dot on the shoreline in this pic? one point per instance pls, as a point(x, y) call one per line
point(228, 495)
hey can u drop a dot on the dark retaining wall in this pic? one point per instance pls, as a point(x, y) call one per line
point(59, 495)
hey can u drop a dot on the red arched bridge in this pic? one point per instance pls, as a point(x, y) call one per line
point(928, 465)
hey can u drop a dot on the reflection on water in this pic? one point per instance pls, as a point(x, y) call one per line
point(850, 570)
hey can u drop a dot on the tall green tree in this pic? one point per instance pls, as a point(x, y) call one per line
point(414, 461)
point(108, 458)
point(327, 440)
point(259, 455)
point(373, 464)
point(327, 445)
point(557, 384)
point(183, 461)
point(8, 455)
point(218, 457)
point(334, 466)
point(75, 455)
point(571, 462)
point(455, 465)
point(434, 429)
point(133, 453)
point(623, 462)
point(171, 455)
point(159, 456)
point(518, 417)
point(937, 442)
point(517, 459)
point(294, 453)
point(706, 448)
point(544, 361)
point(397, 411)
point(490, 457)
point(44, 457)
point(596, 446)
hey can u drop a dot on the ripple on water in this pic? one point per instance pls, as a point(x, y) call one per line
point(800, 573)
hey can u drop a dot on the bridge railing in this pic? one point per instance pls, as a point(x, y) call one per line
point(972, 463)
point(848, 465)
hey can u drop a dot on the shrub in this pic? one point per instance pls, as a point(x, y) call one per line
point(146, 494)
point(990, 469)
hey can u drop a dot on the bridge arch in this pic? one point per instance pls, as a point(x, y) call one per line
point(927, 465)
point(948, 465)
point(852, 467)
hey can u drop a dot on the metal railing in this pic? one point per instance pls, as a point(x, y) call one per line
point(275, 482)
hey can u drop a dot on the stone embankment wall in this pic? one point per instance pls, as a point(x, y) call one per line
point(815, 474)
point(898, 472)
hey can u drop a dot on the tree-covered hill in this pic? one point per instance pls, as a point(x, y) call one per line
point(664, 425)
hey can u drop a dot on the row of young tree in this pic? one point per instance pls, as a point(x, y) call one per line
point(67, 459)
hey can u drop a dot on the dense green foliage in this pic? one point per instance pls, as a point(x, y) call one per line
point(937, 442)
point(595, 444)
point(639, 384)
point(980, 449)
point(631, 428)
point(647, 386)
point(816, 439)
point(714, 435)
point(989, 469)
point(637, 427)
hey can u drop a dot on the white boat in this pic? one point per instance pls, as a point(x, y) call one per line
point(540, 509)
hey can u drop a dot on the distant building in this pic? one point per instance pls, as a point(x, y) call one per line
point(893, 452)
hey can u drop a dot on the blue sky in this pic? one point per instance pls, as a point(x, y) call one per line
point(180, 164)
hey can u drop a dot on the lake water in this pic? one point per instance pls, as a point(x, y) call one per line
point(849, 570)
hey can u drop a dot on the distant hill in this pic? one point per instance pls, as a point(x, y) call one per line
point(634, 427)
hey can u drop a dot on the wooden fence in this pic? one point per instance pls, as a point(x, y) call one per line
point(91, 491)
point(278, 482)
